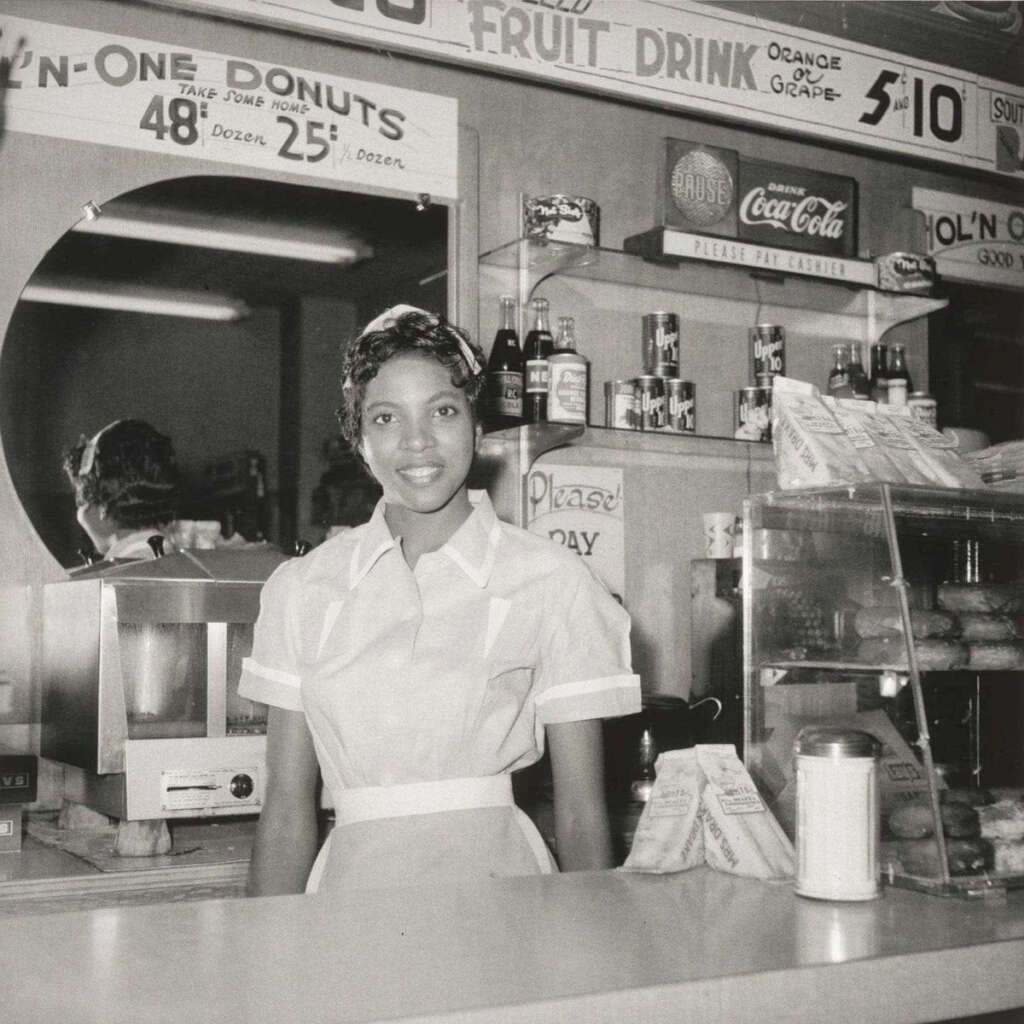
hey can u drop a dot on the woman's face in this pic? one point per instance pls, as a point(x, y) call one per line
point(418, 434)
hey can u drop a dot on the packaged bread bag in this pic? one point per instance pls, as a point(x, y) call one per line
point(890, 447)
point(852, 416)
point(741, 835)
point(670, 835)
point(936, 450)
point(705, 808)
point(811, 448)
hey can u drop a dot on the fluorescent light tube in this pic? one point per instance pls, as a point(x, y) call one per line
point(183, 228)
point(130, 298)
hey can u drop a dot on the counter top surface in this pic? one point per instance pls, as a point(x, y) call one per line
point(697, 946)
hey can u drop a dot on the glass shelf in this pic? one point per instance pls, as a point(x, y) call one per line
point(537, 261)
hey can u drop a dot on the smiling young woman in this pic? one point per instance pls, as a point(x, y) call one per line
point(418, 660)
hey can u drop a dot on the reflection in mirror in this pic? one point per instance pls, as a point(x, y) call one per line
point(215, 308)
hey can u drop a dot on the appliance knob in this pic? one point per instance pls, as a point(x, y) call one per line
point(241, 786)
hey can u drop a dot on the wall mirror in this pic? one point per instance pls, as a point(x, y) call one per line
point(214, 307)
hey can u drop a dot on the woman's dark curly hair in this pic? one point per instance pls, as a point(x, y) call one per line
point(411, 331)
point(128, 468)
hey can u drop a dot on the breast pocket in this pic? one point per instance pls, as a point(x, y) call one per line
point(510, 649)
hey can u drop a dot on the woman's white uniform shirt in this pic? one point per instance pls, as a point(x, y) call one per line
point(423, 688)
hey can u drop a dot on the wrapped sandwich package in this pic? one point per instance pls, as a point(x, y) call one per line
point(821, 441)
point(705, 809)
point(811, 448)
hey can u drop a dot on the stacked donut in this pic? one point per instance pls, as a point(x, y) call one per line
point(982, 834)
point(977, 626)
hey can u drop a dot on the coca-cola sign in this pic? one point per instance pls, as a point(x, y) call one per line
point(796, 208)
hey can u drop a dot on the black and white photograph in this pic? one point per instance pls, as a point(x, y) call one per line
point(512, 511)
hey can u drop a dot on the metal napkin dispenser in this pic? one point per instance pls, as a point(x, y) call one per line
point(141, 660)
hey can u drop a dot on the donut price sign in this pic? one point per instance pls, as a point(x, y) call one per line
point(73, 83)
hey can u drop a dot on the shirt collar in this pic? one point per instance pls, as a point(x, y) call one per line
point(474, 544)
point(472, 548)
point(134, 545)
point(376, 539)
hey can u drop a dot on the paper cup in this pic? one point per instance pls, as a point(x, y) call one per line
point(719, 530)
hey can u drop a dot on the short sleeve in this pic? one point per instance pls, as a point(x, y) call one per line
point(584, 668)
point(271, 674)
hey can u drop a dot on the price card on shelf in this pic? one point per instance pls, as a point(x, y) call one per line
point(72, 83)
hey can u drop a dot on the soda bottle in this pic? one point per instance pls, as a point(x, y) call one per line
point(859, 383)
point(839, 378)
point(568, 377)
point(879, 372)
point(503, 407)
point(898, 366)
point(536, 349)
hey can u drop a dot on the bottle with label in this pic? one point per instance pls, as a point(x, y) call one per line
point(879, 372)
point(568, 377)
point(503, 406)
point(839, 378)
point(859, 383)
point(898, 366)
point(536, 349)
point(644, 775)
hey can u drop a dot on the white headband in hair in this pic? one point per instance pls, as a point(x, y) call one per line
point(389, 317)
point(89, 452)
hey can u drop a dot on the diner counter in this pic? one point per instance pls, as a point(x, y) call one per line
point(590, 947)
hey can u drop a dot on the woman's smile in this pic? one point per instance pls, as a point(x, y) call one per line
point(418, 436)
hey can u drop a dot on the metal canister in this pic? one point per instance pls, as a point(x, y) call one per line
point(660, 344)
point(837, 813)
point(649, 402)
point(767, 351)
point(754, 413)
point(681, 406)
point(619, 404)
point(923, 407)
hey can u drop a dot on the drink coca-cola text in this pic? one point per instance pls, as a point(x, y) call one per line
point(811, 215)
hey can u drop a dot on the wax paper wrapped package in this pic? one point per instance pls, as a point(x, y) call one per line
point(811, 448)
point(705, 809)
point(896, 445)
point(938, 456)
point(741, 836)
point(856, 422)
point(669, 835)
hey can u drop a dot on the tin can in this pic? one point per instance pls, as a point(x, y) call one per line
point(660, 344)
point(619, 404)
point(649, 402)
point(923, 407)
point(562, 218)
point(754, 414)
point(767, 350)
point(681, 406)
point(837, 813)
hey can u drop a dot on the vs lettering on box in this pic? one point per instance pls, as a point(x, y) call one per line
point(697, 188)
point(797, 208)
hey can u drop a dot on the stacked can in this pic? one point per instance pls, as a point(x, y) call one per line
point(754, 402)
point(657, 399)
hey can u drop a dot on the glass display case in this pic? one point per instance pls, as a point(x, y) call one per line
point(835, 581)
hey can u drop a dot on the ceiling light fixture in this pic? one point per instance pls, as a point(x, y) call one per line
point(130, 298)
point(179, 227)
